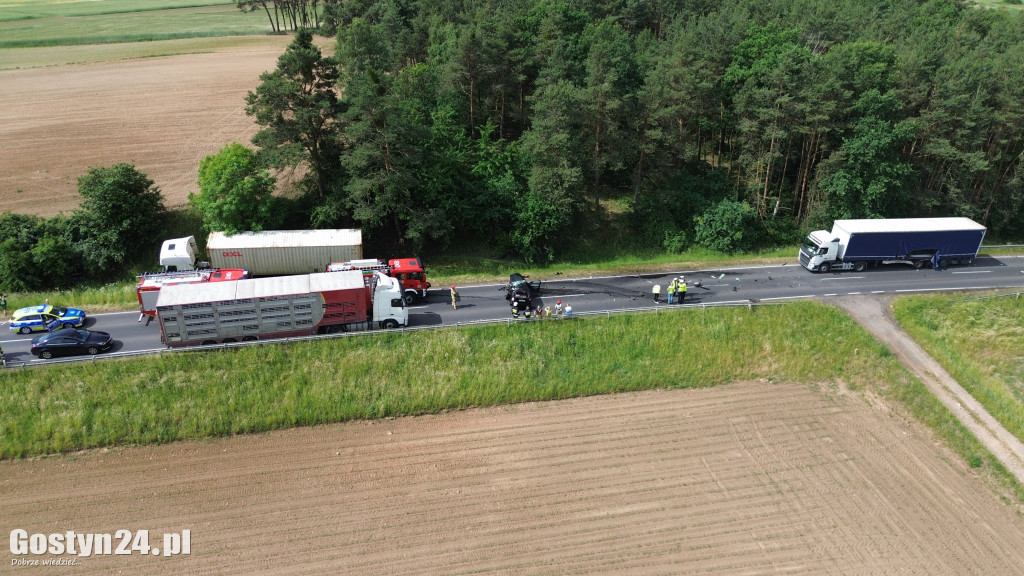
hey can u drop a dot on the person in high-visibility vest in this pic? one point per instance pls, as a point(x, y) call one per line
point(455, 296)
point(682, 289)
point(656, 290)
point(672, 290)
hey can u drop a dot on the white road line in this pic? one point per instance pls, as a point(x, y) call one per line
point(788, 297)
point(844, 278)
point(974, 272)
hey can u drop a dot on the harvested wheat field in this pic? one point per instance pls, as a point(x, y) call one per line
point(162, 114)
point(744, 478)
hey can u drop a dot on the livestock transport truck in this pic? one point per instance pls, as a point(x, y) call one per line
point(857, 244)
point(278, 307)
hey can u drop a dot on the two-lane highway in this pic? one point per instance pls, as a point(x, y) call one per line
point(593, 294)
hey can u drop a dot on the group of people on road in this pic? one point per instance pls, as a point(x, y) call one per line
point(558, 312)
point(676, 291)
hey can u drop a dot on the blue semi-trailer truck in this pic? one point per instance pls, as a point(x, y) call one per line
point(919, 242)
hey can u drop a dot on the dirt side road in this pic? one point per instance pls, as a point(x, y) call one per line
point(742, 478)
point(875, 315)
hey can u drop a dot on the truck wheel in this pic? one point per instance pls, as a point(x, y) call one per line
point(825, 268)
point(390, 324)
point(409, 298)
point(943, 263)
point(860, 266)
point(918, 264)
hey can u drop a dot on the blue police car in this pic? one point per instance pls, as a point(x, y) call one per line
point(45, 317)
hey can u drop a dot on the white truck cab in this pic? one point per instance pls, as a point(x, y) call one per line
point(389, 309)
point(179, 254)
point(820, 247)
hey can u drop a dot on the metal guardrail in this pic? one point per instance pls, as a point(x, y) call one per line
point(401, 330)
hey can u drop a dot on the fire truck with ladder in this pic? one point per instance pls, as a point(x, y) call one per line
point(148, 287)
point(408, 271)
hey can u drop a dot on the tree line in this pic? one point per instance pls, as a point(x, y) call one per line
point(521, 125)
point(723, 123)
point(287, 14)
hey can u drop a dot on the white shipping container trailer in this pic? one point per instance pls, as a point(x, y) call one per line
point(284, 252)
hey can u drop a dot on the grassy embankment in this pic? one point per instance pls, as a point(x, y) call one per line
point(978, 340)
point(193, 395)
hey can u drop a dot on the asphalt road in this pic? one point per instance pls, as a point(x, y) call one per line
point(595, 294)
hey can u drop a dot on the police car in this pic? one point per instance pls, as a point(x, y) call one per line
point(45, 317)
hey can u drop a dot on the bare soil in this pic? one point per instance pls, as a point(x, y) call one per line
point(164, 115)
point(744, 478)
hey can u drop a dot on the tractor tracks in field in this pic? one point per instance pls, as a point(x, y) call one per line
point(874, 313)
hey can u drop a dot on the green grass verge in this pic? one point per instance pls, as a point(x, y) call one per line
point(146, 400)
point(197, 394)
point(979, 341)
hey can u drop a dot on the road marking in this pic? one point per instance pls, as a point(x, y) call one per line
point(844, 278)
point(949, 289)
point(974, 272)
point(878, 291)
point(853, 293)
point(788, 297)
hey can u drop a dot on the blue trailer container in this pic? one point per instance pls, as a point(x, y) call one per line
point(856, 244)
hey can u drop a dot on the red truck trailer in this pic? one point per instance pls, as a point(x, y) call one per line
point(277, 307)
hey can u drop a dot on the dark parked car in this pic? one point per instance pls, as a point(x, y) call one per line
point(70, 341)
point(520, 292)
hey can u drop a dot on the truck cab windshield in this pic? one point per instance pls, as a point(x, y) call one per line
point(809, 246)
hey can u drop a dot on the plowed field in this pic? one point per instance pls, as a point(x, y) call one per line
point(164, 115)
point(738, 479)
